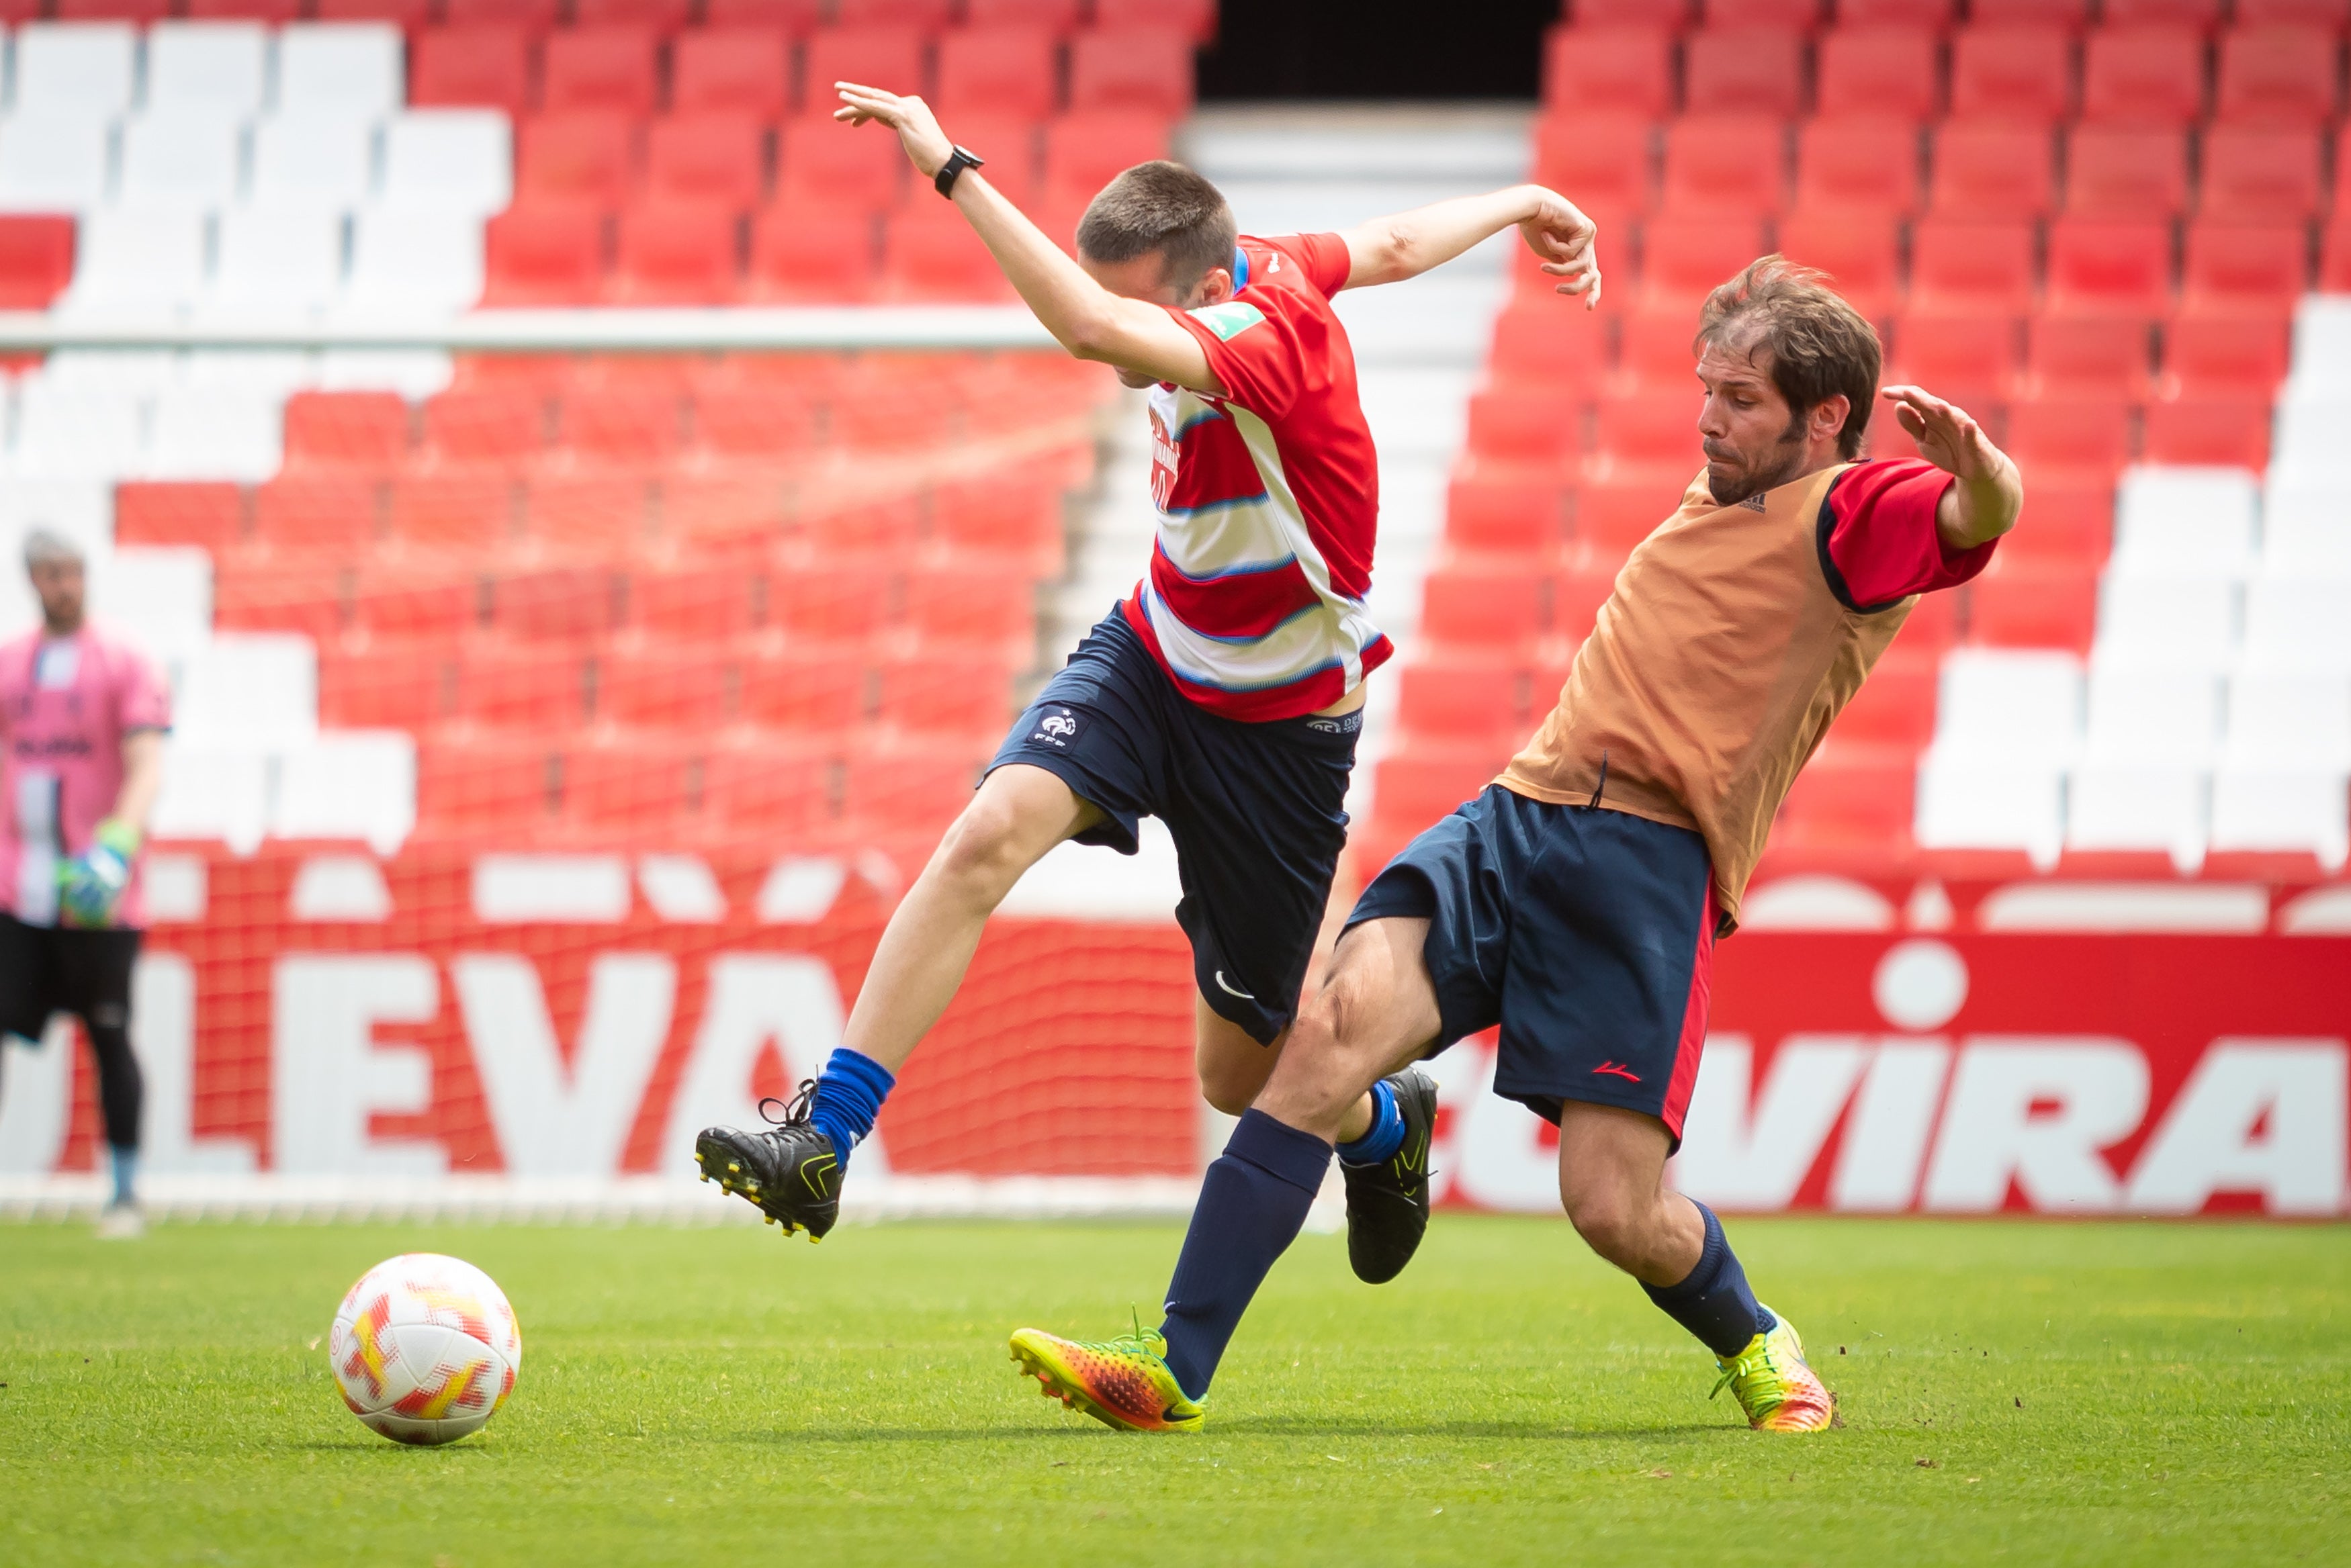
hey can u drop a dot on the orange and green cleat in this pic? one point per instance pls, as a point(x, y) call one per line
point(1122, 1382)
point(1775, 1386)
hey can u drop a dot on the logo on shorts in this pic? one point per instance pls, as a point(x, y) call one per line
point(1057, 729)
point(1618, 1070)
point(1225, 986)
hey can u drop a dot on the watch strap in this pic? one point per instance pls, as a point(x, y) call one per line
point(959, 159)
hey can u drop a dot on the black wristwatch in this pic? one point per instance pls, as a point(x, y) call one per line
point(959, 159)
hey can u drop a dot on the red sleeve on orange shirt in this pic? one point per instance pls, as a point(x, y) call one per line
point(1879, 543)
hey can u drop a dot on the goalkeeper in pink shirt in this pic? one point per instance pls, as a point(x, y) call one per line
point(82, 719)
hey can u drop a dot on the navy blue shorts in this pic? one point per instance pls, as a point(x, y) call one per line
point(1257, 811)
point(1587, 934)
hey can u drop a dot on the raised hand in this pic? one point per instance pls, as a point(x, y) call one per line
point(1568, 243)
point(918, 129)
point(1947, 436)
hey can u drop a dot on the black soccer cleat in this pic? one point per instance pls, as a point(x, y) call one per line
point(1387, 1203)
point(791, 1172)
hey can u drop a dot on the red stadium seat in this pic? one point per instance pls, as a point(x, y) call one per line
point(1537, 428)
point(535, 15)
point(305, 598)
point(1576, 595)
point(544, 254)
point(1935, 13)
point(275, 10)
point(2208, 431)
point(1896, 706)
point(810, 252)
point(695, 603)
point(712, 156)
point(1414, 788)
point(1060, 16)
point(409, 15)
point(2070, 14)
point(2072, 524)
point(486, 66)
point(2201, 15)
point(1469, 696)
point(2151, 75)
point(1743, 70)
point(757, 422)
point(1654, 428)
point(498, 429)
point(1139, 68)
point(835, 602)
point(1605, 159)
point(927, 14)
point(1496, 607)
point(768, 790)
point(629, 789)
point(423, 606)
point(1725, 165)
point(2090, 356)
point(1009, 142)
point(1613, 514)
point(2332, 15)
point(397, 686)
point(486, 785)
point(1968, 360)
point(812, 690)
point(331, 514)
point(1859, 251)
point(583, 156)
point(663, 16)
point(881, 55)
point(623, 426)
point(2087, 434)
point(1004, 516)
point(664, 687)
point(557, 604)
point(1856, 164)
point(1087, 150)
point(1799, 14)
point(37, 260)
point(917, 790)
point(2260, 174)
point(2116, 171)
point(821, 163)
point(1515, 512)
point(2278, 76)
point(1654, 352)
point(2101, 267)
point(1888, 72)
point(1684, 260)
point(1854, 797)
point(1195, 20)
point(141, 11)
point(678, 252)
point(594, 514)
point(538, 686)
point(1958, 267)
point(731, 70)
point(1008, 69)
point(2019, 605)
point(610, 68)
point(2225, 356)
point(466, 512)
point(962, 694)
point(2258, 270)
point(1990, 169)
point(367, 431)
point(210, 516)
point(1609, 70)
point(2018, 72)
point(795, 16)
point(1597, 13)
point(929, 252)
point(974, 604)
point(1547, 342)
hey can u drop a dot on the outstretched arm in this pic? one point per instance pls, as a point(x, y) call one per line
point(1391, 249)
point(1989, 493)
point(1083, 316)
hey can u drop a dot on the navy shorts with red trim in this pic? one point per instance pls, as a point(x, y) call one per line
point(1586, 933)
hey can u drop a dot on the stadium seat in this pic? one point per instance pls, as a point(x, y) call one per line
point(1969, 358)
point(1578, 590)
point(545, 254)
point(2118, 171)
point(1799, 14)
point(576, 605)
point(1003, 516)
point(823, 164)
point(797, 16)
point(1061, 17)
point(809, 690)
point(731, 70)
point(208, 517)
point(2180, 616)
point(1851, 798)
point(496, 429)
point(608, 68)
point(482, 784)
point(1470, 605)
point(1195, 19)
point(1654, 430)
point(37, 260)
point(1535, 342)
point(765, 790)
point(178, 158)
point(1413, 788)
point(1137, 67)
point(1685, 259)
point(2204, 430)
point(424, 607)
point(2109, 268)
point(2090, 435)
point(684, 689)
point(915, 791)
point(2278, 76)
point(52, 164)
point(1894, 708)
point(2151, 75)
point(757, 422)
point(147, 257)
point(302, 599)
point(2333, 14)
point(929, 252)
point(448, 161)
point(1725, 165)
point(1961, 266)
point(860, 52)
point(1517, 512)
point(460, 511)
point(576, 156)
point(404, 262)
point(1084, 152)
point(2260, 174)
point(1854, 164)
point(213, 67)
point(1006, 69)
point(929, 15)
point(664, 17)
point(626, 790)
point(213, 432)
point(537, 16)
point(2102, 356)
point(2017, 72)
point(275, 260)
point(809, 252)
point(340, 71)
point(1882, 72)
point(1859, 251)
point(2252, 269)
point(325, 163)
point(2224, 355)
point(717, 157)
point(2201, 15)
point(599, 513)
point(1987, 168)
point(1653, 351)
point(622, 426)
point(1743, 70)
point(78, 72)
point(678, 252)
point(2196, 518)
point(1605, 158)
point(480, 66)
point(1609, 70)
point(696, 602)
point(399, 687)
point(1596, 14)
point(2070, 14)
point(410, 16)
point(2335, 257)
point(1472, 696)
point(836, 601)
point(364, 432)
point(1538, 430)
point(965, 694)
point(2034, 605)
point(332, 514)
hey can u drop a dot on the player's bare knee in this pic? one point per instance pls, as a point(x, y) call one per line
point(1229, 1088)
point(982, 854)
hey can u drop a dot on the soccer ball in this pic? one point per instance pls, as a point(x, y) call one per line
point(425, 1348)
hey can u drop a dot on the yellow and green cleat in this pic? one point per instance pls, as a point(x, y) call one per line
point(1122, 1382)
point(1774, 1384)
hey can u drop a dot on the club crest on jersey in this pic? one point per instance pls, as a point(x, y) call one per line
point(1229, 319)
point(1057, 728)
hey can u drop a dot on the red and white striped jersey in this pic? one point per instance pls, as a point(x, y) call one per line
point(1269, 499)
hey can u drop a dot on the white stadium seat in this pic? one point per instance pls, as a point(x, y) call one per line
point(2029, 701)
point(312, 163)
point(413, 262)
point(74, 70)
point(141, 259)
point(2306, 523)
point(457, 161)
point(349, 783)
point(2008, 727)
point(277, 373)
point(211, 433)
point(414, 373)
point(249, 689)
point(278, 262)
point(53, 163)
point(2296, 621)
point(2125, 803)
point(181, 158)
point(217, 66)
point(130, 369)
point(2174, 617)
point(2152, 713)
point(2282, 806)
point(2197, 518)
point(1970, 798)
point(2299, 716)
point(158, 596)
point(214, 792)
point(2306, 432)
point(339, 71)
point(68, 432)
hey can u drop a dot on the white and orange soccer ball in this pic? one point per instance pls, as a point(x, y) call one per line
point(425, 1348)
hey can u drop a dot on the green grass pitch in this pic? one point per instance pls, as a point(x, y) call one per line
point(2035, 1392)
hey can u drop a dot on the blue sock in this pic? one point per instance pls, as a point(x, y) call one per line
point(1714, 1303)
point(849, 1096)
point(126, 1172)
point(1252, 1202)
point(1385, 1135)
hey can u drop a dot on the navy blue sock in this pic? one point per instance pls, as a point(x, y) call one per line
point(126, 1172)
point(1385, 1135)
point(1252, 1202)
point(849, 1096)
point(1714, 1303)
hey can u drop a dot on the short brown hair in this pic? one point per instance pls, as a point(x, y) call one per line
point(1164, 207)
point(1820, 345)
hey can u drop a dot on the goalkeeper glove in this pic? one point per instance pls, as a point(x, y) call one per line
point(90, 884)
